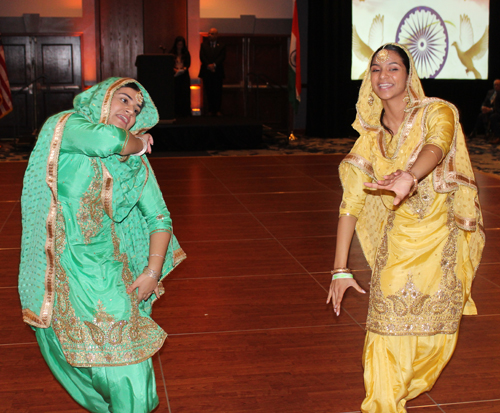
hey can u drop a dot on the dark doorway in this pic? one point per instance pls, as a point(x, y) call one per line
point(45, 74)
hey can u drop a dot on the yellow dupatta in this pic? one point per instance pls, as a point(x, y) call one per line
point(375, 155)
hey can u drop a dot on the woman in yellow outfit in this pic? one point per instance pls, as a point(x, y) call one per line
point(411, 196)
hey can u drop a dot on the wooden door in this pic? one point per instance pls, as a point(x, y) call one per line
point(18, 58)
point(122, 37)
point(45, 75)
point(58, 63)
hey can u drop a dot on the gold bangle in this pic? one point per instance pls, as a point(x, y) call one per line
point(426, 148)
point(339, 270)
point(155, 275)
point(414, 187)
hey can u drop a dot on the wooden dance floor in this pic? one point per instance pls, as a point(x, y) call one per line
point(249, 330)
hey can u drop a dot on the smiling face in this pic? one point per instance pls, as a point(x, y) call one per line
point(125, 106)
point(388, 76)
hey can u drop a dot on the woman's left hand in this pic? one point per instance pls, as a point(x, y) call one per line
point(149, 139)
point(146, 286)
point(399, 182)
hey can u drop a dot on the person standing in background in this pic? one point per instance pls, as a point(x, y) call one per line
point(212, 56)
point(489, 117)
point(182, 81)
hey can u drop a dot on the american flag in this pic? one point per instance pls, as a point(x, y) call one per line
point(5, 95)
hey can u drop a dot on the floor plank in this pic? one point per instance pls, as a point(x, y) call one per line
point(249, 329)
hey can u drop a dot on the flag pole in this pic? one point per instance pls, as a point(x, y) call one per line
point(294, 78)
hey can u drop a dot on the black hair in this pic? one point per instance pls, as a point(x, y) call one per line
point(135, 86)
point(406, 61)
point(399, 50)
point(184, 49)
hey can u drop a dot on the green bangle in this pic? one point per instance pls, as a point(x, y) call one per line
point(342, 275)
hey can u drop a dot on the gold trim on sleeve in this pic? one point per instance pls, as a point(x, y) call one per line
point(359, 162)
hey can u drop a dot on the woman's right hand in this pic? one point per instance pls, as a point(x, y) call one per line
point(399, 182)
point(337, 290)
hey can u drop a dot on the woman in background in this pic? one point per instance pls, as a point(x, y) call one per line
point(182, 81)
point(420, 227)
point(97, 240)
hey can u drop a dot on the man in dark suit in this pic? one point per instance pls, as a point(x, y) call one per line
point(495, 112)
point(490, 112)
point(212, 56)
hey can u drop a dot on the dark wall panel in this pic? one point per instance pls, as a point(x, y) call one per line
point(121, 27)
point(57, 59)
point(15, 58)
point(268, 56)
point(163, 22)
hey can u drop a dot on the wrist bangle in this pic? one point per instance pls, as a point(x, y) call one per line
point(151, 273)
point(156, 255)
point(342, 275)
point(144, 147)
point(414, 187)
point(339, 270)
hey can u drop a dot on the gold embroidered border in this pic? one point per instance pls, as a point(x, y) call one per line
point(415, 101)
point(481, 231)
point(31, 318)
point(104, 341)
point(179, 256)
point(43, 320)
point(106, 104)
point(465, 223)
point(147, 176)
point(445, 176)
point(420, 202)
point(90, 213)
point(365, 125)
point(409, 311)
point(107, 191)
point(359, 162)
point(161, 230)
point(407, 126)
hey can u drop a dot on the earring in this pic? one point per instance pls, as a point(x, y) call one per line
point(370, 99)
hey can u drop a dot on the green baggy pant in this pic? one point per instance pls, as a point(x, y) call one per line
point(119, 389)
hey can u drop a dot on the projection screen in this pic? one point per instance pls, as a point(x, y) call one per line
point(447, 38)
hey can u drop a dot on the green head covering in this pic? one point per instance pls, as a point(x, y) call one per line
point(95, 104)
point(39, 200)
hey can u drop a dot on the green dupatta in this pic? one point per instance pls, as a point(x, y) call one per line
point(39, 200)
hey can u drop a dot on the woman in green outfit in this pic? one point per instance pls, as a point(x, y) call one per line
point(97, 241)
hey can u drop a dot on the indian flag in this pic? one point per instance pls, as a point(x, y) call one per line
point(294, 80)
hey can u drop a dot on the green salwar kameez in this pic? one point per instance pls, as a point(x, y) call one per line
point(88, 214)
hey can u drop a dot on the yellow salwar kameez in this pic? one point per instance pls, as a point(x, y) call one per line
point(423, 253)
